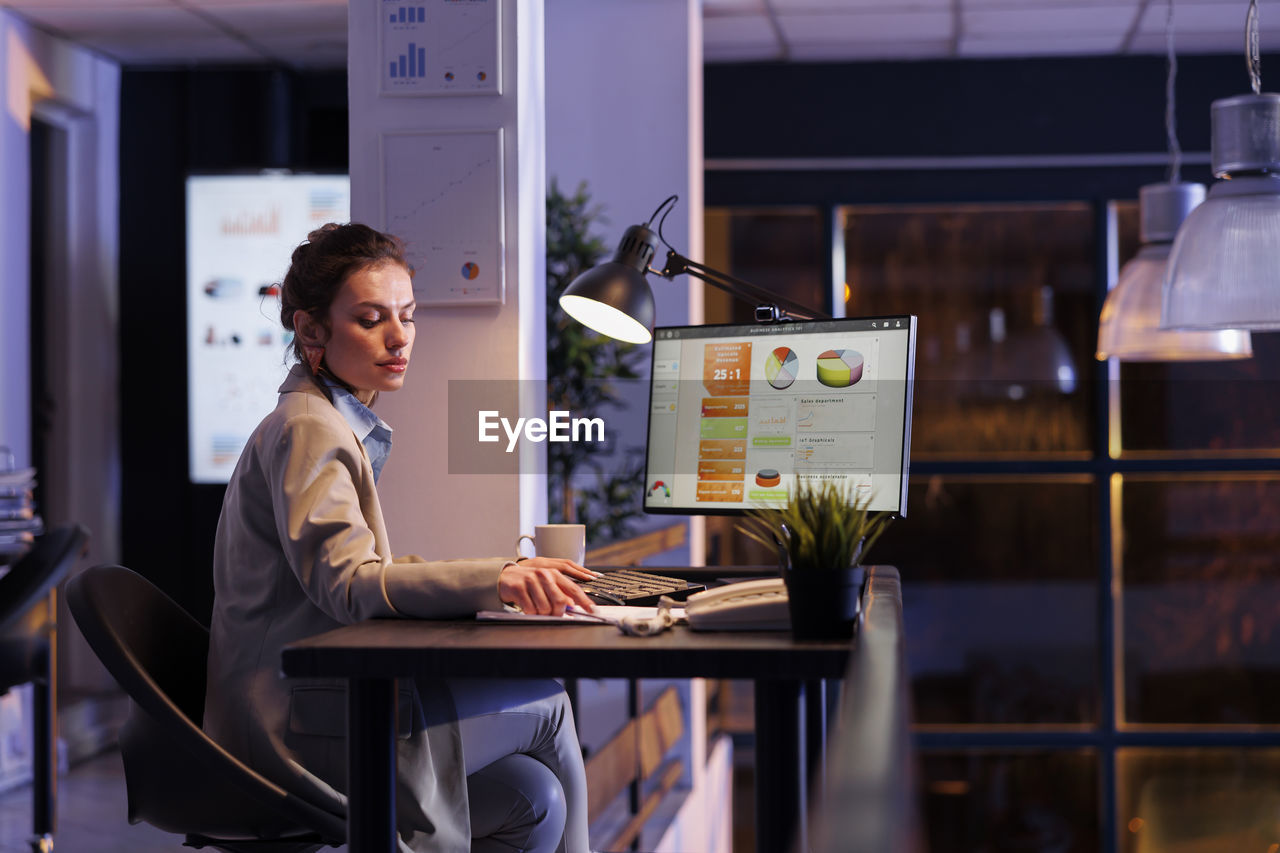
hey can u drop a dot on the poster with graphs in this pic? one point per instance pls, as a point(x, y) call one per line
point(442, 194)
point(439, 47)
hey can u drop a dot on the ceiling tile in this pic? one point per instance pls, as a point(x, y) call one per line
point(811, 6)
point(137, 21)
point(1048, 22)
point(748, 29)
point(1197, 17)
point(1066, 45)
point(1189, 43)
point(262, 20)
point(22, 7)
point(1056, 5)
point(305, 51)
point(730, 7)
point(865, 51)
point(266, 4)
point(865, 26)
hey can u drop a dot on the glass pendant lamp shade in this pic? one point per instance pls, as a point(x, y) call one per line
point(1224, 269)
point(1129, 329)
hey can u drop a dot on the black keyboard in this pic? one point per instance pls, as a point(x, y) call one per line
point(639, 589)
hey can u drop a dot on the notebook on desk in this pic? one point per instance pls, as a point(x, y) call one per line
point(637, 589)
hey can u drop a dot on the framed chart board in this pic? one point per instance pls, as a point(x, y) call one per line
point(442, 195)
point(439, 47)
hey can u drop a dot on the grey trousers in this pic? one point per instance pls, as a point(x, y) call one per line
point(525, 777)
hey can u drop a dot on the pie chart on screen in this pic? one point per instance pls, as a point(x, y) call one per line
point(839, 368)
point(780, 367)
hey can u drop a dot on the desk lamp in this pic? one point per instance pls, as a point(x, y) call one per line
point(614, 298)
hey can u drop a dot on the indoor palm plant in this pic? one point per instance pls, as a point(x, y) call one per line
point(823, 535)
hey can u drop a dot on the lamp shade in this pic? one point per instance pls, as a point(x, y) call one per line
point(614, 298)
point(1029, 361)
point(1129, 329)
point(1224, 269)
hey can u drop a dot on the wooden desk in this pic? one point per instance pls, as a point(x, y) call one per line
point(373, 654)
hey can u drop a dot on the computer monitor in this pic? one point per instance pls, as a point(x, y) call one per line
point(739, 413)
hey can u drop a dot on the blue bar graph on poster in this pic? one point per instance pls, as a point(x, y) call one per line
point(402, 66)
point(413, 60)
point(393, 70)
point(422, 61)
point(409, 15)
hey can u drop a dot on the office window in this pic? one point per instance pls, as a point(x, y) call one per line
point(1198, 799)
point(996, 638)
point(1037, 800)
point(1200, 572)
point(1068, 597)
point(1236, 404)
point(1005, 296)
point(780, 249)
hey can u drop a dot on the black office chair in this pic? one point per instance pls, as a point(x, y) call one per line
point(178, 779)
point(28, 622)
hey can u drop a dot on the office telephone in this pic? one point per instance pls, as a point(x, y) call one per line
point(757, 605)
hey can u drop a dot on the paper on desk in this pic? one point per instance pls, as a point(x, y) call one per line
point(609, 614)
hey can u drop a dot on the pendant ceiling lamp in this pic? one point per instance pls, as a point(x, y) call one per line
point(1129, 329)
point(1224, 268)
point(1130, 326)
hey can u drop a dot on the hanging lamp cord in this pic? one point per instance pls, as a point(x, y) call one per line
point(1170, 115)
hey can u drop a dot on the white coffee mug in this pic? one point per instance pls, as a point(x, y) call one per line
point(566, 541)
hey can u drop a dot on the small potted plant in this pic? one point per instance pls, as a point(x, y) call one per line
point(822, 535)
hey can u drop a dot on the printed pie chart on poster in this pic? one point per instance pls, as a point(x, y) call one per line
point(839, 368)
point(780, 367)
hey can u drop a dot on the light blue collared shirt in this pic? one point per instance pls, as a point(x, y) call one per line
point(373, 431)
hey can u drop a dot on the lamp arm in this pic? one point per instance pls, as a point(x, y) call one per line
point(745, 290)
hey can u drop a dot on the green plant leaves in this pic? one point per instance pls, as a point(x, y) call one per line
point(823, 526)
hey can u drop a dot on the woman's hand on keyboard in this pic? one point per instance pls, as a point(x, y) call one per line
point(544, 585)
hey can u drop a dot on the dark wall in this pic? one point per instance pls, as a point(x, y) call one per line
point(1109, 105)
point(173, 123)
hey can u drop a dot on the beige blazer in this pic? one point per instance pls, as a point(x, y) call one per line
point(301, 549)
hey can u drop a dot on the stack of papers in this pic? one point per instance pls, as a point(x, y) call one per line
point(19, 523)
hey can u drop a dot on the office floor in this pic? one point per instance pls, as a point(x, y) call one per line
point(92, 803)
point(91, 815)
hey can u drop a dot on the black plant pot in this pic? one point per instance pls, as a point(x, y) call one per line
point(824, 602)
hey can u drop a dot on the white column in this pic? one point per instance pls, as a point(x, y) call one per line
point(430, 511)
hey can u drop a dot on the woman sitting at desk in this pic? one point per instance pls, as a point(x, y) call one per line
point(302, 548)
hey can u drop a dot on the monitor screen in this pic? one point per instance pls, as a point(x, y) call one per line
point(241, 232)
point(738, 414)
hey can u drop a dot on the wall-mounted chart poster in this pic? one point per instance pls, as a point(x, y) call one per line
point(439, 47)
point(442, 195)
point(241, 232)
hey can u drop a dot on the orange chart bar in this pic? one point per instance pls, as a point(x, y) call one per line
point(714, 492)
point(720, 471)
point(722, 448)
point(724, 407)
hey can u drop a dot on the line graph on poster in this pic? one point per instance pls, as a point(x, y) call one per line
point(442, 195)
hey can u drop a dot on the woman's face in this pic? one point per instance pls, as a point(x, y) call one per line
point(371, 330)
